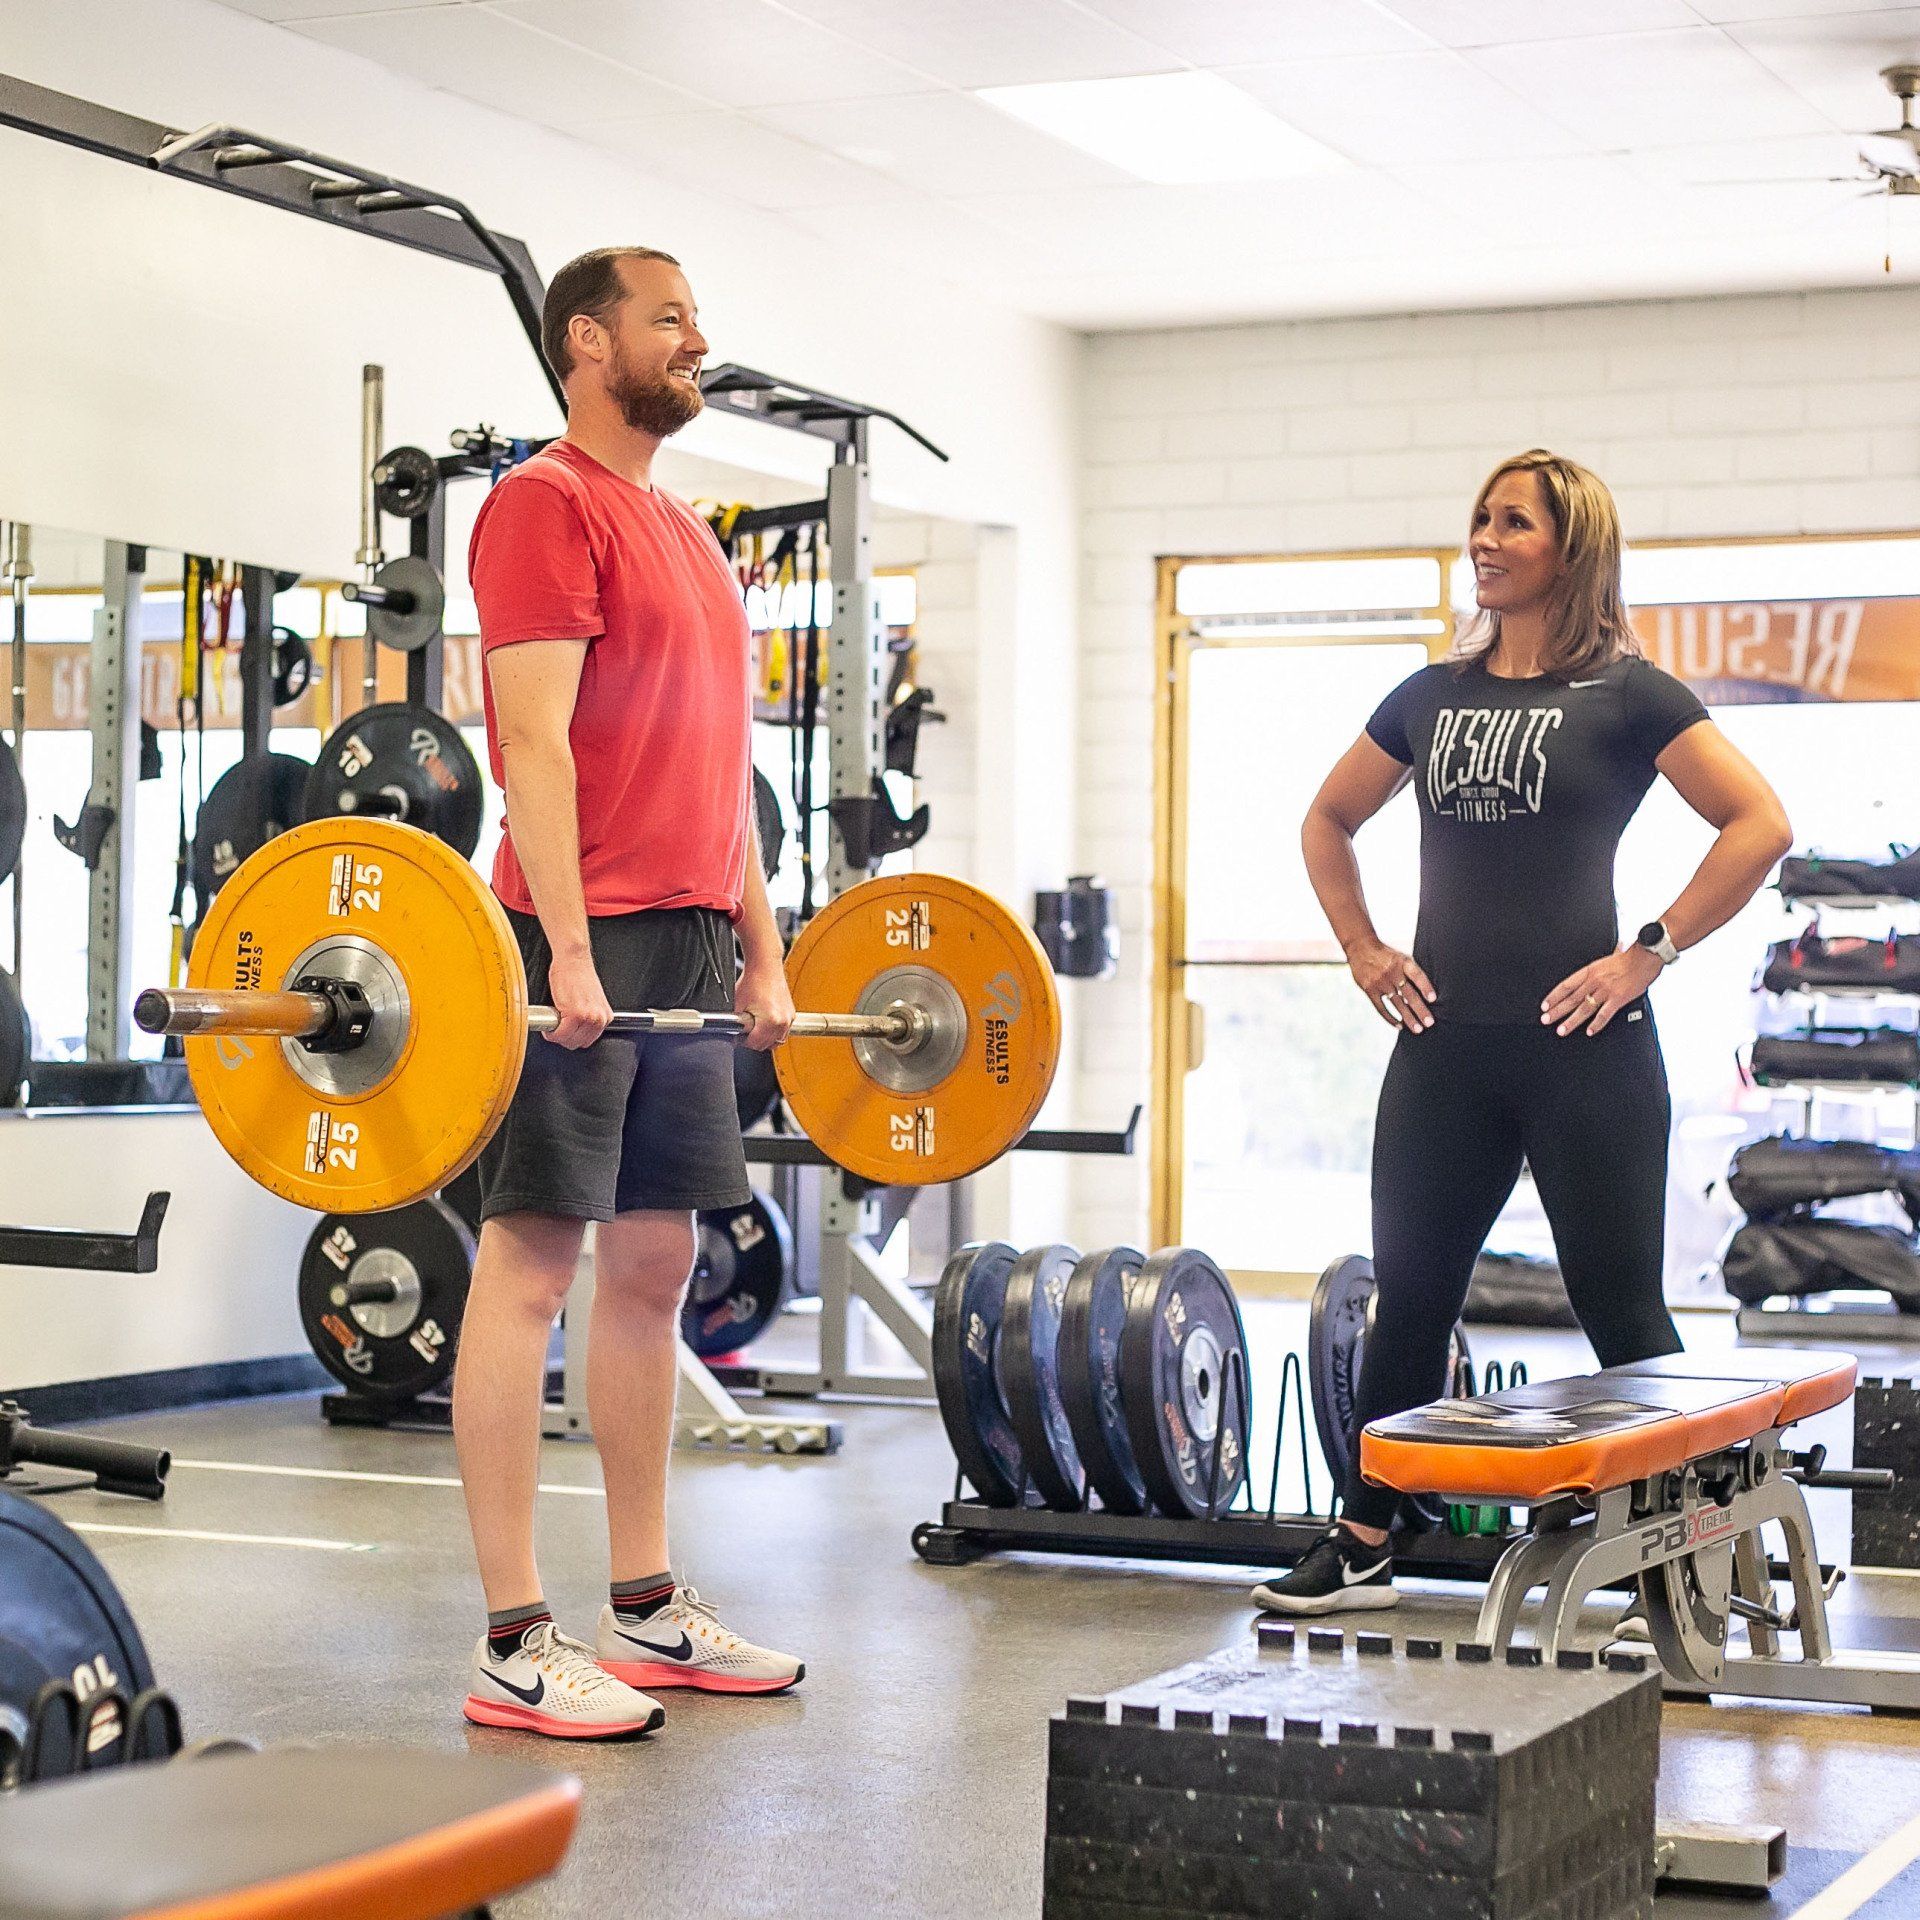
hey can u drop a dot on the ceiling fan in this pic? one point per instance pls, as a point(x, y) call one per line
point(1901, 174)
point(1895, 171)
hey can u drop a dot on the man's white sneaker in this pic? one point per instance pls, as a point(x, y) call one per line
point(684, 1645)
point(554, 1685)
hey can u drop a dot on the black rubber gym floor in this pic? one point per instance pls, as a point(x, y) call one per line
point(307, 1583)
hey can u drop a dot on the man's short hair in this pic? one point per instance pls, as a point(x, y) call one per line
point(589, 284)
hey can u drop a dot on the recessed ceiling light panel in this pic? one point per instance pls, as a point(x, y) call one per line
point(1175, 128)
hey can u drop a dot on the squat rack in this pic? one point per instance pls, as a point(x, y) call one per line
point(318, 186)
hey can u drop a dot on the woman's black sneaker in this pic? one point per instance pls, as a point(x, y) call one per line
point(1338, 1573)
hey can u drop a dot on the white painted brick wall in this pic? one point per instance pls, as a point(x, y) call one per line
point(1778, 414)
point(944, 556)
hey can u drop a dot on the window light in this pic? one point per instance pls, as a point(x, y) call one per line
point(1409, 582)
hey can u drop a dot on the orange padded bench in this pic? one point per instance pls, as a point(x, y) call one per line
point(294, 1833)
point(1660, 1479)
point(1554, 1438)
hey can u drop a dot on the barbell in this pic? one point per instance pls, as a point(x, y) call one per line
point(386, 981)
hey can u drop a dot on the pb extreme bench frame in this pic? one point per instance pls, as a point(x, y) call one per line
point(1661, 1474)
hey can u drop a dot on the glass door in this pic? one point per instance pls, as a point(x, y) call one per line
point(1270, 1057)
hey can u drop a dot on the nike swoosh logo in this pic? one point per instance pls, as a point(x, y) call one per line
point(684, 1651)
point(1587, 683)
point(1348, 1578)
point(532, 1695)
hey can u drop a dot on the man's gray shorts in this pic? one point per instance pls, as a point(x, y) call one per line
point(646, 1121)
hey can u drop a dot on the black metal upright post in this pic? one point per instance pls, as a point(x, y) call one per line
point(427, 540)
point(256, 692)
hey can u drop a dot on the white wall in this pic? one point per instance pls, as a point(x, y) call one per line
point(1780, 414)
point(229, 1250)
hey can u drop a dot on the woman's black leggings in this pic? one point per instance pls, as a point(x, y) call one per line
point(1460, 1108)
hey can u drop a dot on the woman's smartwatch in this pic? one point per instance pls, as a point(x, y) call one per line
point(1658, 942)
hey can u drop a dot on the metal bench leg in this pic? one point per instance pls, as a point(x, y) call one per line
point(1524, 1566)
point(1584, 1566)
point(1803, 1563)
point(1754, 1584)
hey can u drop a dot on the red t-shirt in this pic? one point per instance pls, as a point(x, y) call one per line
point(565, 549)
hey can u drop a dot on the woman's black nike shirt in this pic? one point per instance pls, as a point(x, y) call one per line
point(1524, 789)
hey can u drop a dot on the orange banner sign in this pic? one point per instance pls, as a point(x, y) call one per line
point(1738, 652)
point(59, 685)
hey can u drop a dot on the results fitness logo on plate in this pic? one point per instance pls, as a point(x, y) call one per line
point(1000, 1012)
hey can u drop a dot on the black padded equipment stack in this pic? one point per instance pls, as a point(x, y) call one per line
point(1314, 1774)
point(1886, 1433)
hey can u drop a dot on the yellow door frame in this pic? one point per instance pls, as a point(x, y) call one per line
point(1175, 1025)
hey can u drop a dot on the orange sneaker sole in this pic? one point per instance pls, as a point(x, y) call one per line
point(496, 1713)
point(648, 1676)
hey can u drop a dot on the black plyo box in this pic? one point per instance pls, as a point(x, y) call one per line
point(1886, 1433)
point(1338, 1776)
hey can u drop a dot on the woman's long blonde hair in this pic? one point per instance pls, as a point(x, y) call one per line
point(1587, 621)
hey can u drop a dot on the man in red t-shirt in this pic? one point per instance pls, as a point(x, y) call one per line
point(619, 719)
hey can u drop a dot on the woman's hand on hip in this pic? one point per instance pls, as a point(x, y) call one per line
point(1401, 994)
point(1590, 998)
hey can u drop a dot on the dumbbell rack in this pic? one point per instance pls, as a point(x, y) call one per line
point(969, 1529)
point(1863, 1320)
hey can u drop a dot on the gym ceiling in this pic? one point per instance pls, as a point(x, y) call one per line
point(1423, 153)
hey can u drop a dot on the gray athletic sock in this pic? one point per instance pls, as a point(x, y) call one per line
point(641, 1599)
point(511, 1625)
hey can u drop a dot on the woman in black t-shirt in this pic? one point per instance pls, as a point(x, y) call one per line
point(1525, 1032)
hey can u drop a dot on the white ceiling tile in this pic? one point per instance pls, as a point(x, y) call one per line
point(1833, 62)
point(1807, 160)
point(1492, 23)
point(1493, 204)
point(738, 53)
point(1651, 89)
point(935, 237)
point(990, 43)
point(943, 143)
point(1170, 232)
point(498, 62)
point(284, 10)
point(1231, 33)
point(1404, 109)
point(1720, 11)
point(733, 154)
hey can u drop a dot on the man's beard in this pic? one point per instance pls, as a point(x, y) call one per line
point(660, 406)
